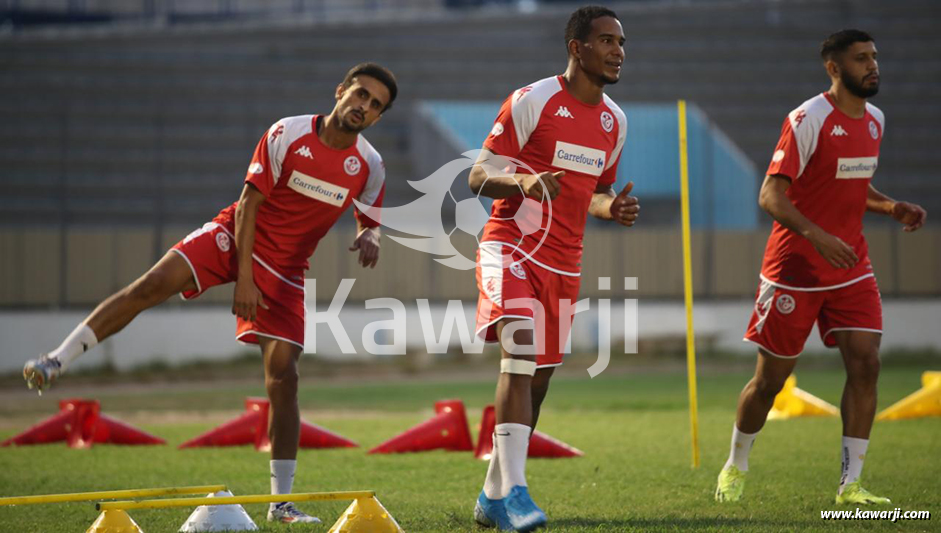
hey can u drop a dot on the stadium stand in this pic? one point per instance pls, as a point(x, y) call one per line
point(149, 124)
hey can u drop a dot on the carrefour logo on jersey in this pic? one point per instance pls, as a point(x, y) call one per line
point(578, 158)
point(856, 167)
point(320, 190)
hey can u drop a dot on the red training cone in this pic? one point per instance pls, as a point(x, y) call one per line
point(540, 444)
point(80, 424)
point(252, 428)
point(447, 430)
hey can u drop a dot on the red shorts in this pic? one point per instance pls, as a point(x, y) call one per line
point(210, 252)
point(511, 287)
point(783, 318)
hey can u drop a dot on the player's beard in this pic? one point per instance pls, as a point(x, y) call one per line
point(857, 88)
point(346, 125)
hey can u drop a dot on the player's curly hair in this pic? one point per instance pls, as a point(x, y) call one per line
point(377, 71)
point(579, 24)
point(838, 42)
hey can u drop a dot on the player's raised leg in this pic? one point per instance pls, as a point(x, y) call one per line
point(171, 275)
point(860, 351)
point(284, 424)
point(754, 403)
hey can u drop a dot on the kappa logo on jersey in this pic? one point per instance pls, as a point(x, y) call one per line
point(838, 131)
point(256, 168)
point(578, 158)
point(276, 133)
point(517, 270)
point(497, 130)
point(323, 191)
point(607, 121)
point(873, 130)
point(799, 117)
point(564, 112)
point(352, 165)
point(305, 152)
point(856, 167)
point(522, 92)
point(785, 304)
point(223, 241)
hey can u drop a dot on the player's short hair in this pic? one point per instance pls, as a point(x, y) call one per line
point(838, 42)
point(579, 24)
point(374, 70)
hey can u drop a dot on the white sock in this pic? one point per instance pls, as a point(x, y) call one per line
point(512, 448)
point(78, 342)
point(493, 484)
point(282, 476)
point(741, 447)
point(854, 453)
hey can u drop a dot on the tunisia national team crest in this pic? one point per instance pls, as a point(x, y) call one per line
point(607, 121)
point(352, 165)
point(223, 241)
point(517, 270)
point(785, 304)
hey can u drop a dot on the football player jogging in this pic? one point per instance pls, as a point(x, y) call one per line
point(304, 174)
point(571, 134)
point(816, 265)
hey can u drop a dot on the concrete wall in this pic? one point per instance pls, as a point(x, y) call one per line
point(40, 267)
point(177, 335)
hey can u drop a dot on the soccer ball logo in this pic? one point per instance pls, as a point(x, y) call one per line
point(422, 218)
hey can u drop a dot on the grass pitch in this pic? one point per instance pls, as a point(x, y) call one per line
point(635, 476)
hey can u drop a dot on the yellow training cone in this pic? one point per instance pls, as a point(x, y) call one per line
point(366, 515)
point(923, 402)
point(792, 402)
point(115, 521)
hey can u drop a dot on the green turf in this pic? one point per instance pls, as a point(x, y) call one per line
point(635, 475)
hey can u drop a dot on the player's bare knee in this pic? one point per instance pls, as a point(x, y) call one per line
point(767, 387)
point(149, 289)
point(863, 368)
point(282, 384)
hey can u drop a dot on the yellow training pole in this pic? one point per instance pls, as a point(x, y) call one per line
point(228, 500)
point(688, 284)
point(109, 495)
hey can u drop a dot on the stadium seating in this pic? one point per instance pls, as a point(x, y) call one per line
point(150, 127)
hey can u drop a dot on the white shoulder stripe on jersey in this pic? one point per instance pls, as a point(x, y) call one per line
point(527, 106)
point(806, 122)
point(878, 114)
point(377, 172)
point(622, 130)
point(291, 129)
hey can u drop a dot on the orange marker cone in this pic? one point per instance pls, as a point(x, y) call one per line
point(926, 401)
point(447, 430)
point(252, 428)
point(792, 402)
point(366, 515)
point(540, 444)
point(81, 425)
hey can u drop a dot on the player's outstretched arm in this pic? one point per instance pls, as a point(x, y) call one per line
point(487, 178)
point(912, 215)
point(367, 242)
point(773, 199)
point(247, 297)
point(621, 208)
